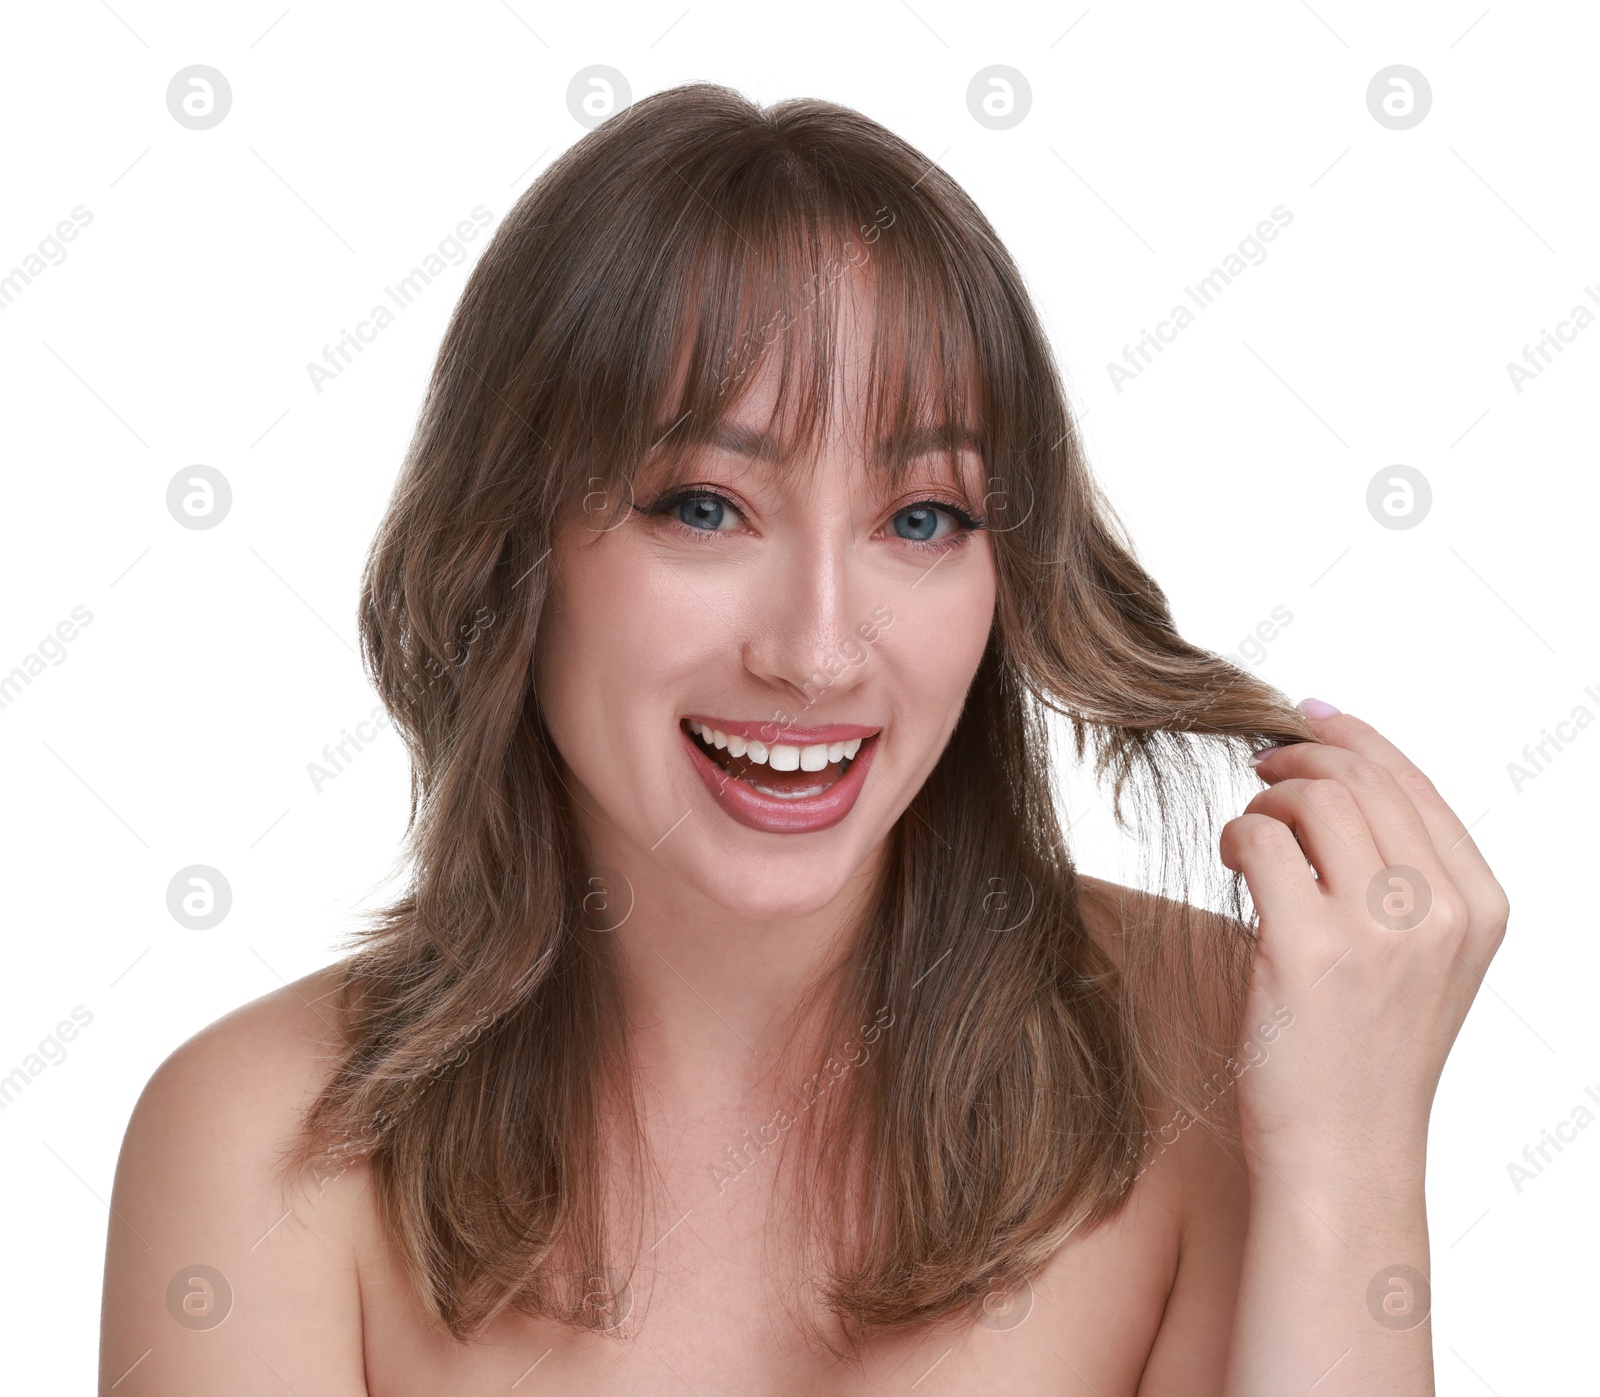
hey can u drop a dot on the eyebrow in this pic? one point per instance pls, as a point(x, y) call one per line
point(759, 446)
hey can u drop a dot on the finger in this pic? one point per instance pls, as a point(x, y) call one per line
point(1457, 886)
point(1455, 846)
point(1396, 827)
point(1265, 852)
point(1330, 827)
point(1458, 869)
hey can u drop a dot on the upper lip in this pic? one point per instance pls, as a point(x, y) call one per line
point(771, 731)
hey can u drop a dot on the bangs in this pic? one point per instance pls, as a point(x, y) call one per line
point(768, 297)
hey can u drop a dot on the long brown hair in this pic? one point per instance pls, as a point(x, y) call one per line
point(1006, 1089)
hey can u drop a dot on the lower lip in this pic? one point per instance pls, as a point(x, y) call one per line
point(772, 815)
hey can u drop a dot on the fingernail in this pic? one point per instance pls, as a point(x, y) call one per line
point(1316, 708)
point(1257, 757)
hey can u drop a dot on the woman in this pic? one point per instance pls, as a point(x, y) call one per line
point(745, 1026)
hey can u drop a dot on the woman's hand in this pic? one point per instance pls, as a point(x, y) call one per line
point(1377, 955)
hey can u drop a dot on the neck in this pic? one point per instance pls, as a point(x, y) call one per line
point(712, 997)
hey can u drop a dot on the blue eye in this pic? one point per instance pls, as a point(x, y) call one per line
point(922, 523)
point(704, 513)
point(701, 512)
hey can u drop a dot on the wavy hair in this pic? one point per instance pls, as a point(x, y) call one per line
point(1015, 1059)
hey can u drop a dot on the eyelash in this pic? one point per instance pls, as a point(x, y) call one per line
point(970, 523)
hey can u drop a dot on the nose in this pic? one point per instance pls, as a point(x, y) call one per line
point(805, 638)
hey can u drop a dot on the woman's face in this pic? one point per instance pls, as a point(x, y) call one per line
point(808, 617)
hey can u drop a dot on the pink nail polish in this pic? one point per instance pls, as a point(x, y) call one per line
point(1316, 708)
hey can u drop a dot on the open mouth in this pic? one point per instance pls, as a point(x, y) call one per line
point(781, 771)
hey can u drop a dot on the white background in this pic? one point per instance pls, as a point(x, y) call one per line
point(178, 728)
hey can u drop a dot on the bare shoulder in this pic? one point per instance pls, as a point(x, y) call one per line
point(1196, 954)
point(1112, 910)
point(1202, 1180)
point(1183, 999)
point(1193, 1174)
point(220, 1274)
point(286, 1044)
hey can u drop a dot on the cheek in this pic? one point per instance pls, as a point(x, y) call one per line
point(964, 615)
point(615, 636)
point(576, 662)
point(935, 641)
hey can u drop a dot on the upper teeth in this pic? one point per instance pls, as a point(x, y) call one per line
point(780, 756)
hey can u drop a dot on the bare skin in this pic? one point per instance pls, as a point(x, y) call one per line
point(1141, 1307)
point(1292, 1265)
point(1233, 1276)
point(648, 622)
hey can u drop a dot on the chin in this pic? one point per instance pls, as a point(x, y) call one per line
point(781, 886)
